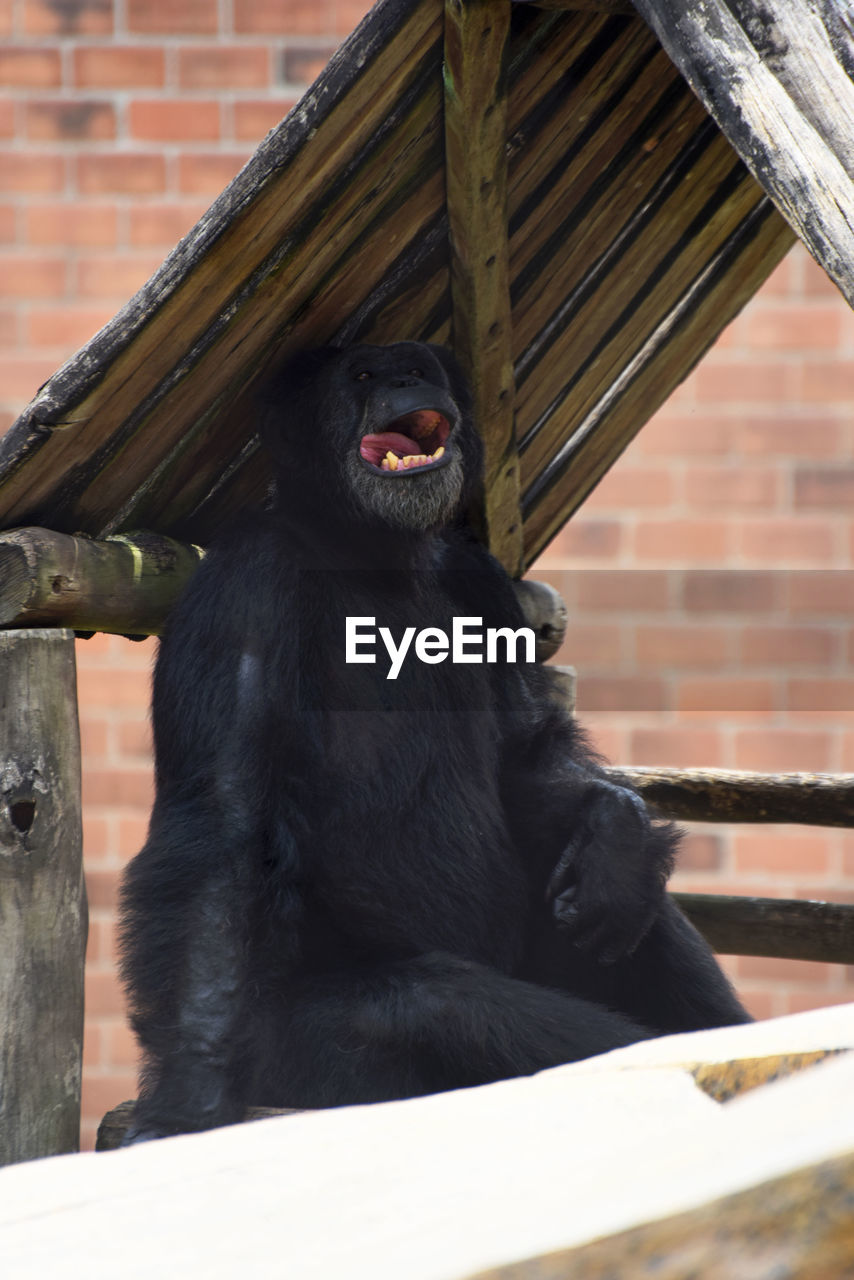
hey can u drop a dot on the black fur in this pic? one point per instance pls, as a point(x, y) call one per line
point(354, 888)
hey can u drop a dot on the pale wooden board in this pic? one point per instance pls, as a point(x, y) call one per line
point(443, 1187)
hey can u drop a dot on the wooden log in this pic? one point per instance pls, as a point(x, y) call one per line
point(476, 42)
point(565, 681)
point(42, 897)
point(801, 1220)
point(545, 611)
point(729, 795)
point(775, 78)
point(786, 928)
point(113, 1127)
point(126, 584)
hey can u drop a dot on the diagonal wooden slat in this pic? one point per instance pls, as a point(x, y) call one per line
point(634, 232)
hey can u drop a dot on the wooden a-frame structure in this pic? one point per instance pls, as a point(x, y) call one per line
point(577, 195)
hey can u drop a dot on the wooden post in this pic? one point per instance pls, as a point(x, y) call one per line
point(476, 36)
point(42, 897)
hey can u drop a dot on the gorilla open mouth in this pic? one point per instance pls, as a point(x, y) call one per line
point(413, 442)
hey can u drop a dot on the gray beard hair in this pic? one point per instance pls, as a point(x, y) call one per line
point(419, 502)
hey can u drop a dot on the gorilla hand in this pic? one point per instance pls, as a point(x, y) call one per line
point(609, 881)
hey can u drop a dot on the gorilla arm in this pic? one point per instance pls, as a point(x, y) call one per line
point(595, 854)
point(602, 862)
point(188, 896)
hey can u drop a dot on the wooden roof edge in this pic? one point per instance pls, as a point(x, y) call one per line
point(81, 372)
point(777, 79)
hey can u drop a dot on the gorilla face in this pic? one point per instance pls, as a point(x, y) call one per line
point(391, 431)
point(405, 462)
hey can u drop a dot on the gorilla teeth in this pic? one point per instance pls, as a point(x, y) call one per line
point(391, 462)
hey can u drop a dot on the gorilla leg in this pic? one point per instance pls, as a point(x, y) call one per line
point(675, 983)
point(421, 1026)
point(671, 982)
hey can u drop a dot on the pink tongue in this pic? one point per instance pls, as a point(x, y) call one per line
point(374, 448)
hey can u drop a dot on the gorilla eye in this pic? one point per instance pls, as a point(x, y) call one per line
point(363, 375)
point(417, 373)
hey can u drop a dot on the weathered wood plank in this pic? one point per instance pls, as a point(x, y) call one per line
point(190, 494)
point(786, 928)
point(625, 293)
point(341, 253)
point(476, 36)
point(775, 81)
point(794, 1226)
point(729, 795)
point(573, 132)
point(249, 236)
point(654, 163)
point(682, 336)
point(617, 286)
point(42, 897)
point(724, 1081)
point(126, 585)
point(180, 478)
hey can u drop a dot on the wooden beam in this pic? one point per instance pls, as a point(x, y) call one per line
point(775, 78)
point(42, 897)
point(475, 77)
point(112, 1129)
point(801, 1219)
point(729, 795)
point(545, 610)
point(126, 584)
point(786, 928)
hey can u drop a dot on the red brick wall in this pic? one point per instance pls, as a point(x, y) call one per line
point(119, 124)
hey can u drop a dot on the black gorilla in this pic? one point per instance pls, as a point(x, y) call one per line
point(358, 888)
